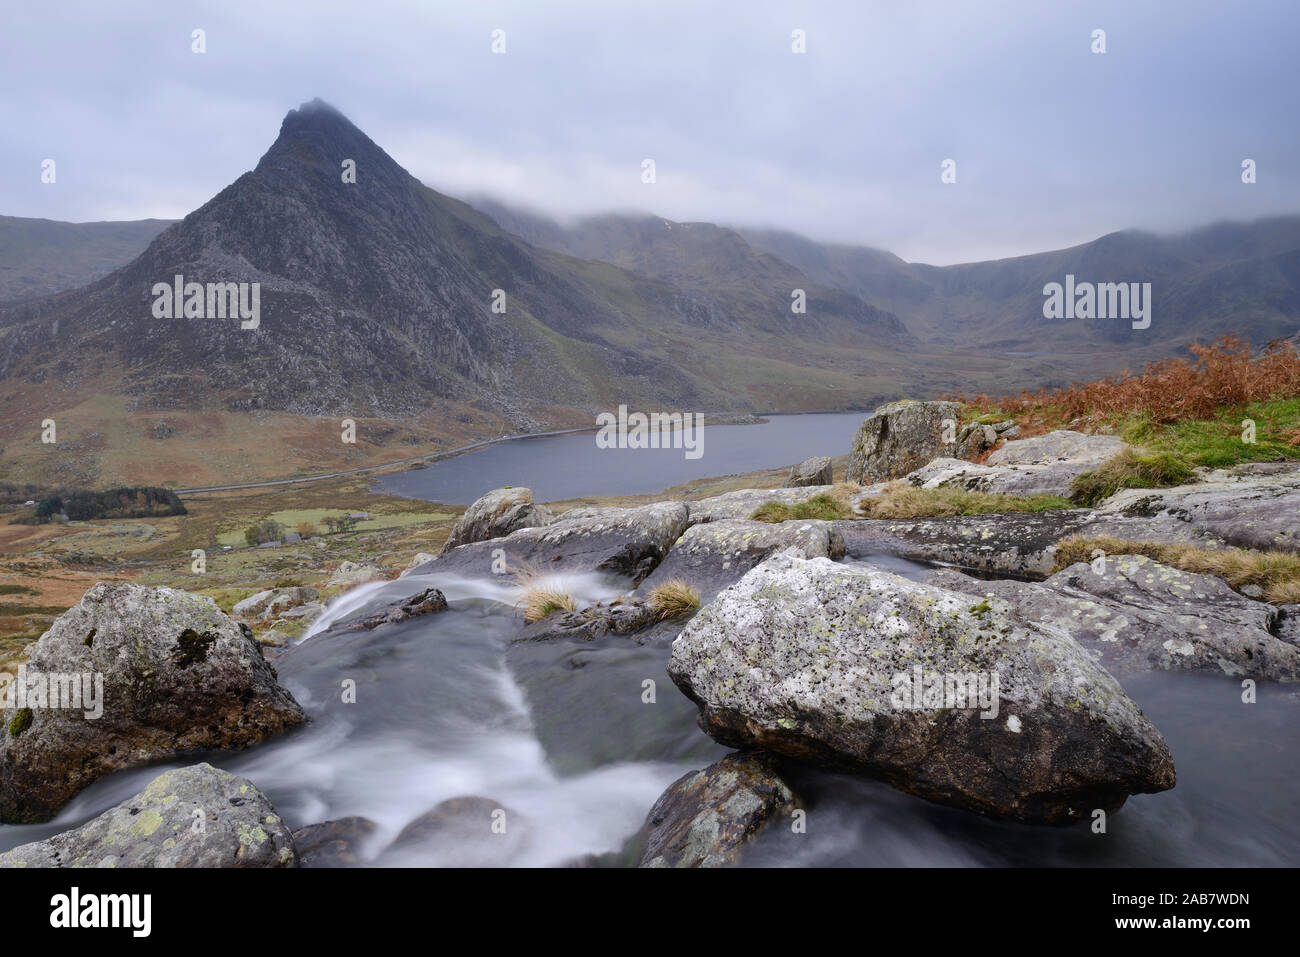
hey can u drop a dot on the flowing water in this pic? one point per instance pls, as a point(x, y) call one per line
point(561, 736)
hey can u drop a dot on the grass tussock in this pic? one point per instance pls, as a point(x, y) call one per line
point(1277, 573)
point(1131, 469)
point(826, 506)
point(673, 599)
point(903, 500)
point(540, 594)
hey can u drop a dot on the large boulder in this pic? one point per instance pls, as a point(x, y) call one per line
point(496, 515)
point(169, 672)
point(813, 471)
point(190, 817)
point(707, 818)
point(902, 436)
point(709, 557)
point(1250, 508)
point(818, 661)
point(622, 541)
point(1138, 613)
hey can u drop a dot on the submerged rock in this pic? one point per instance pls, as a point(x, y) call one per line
point(497, 514)
point(334, 843)
point(425, 603)
point(191, 817)
point(900, 437)
point(623, 541)
point(1139, 613)
point(468, 831)
point(709, 557)
point(812, 471)
point(172, 674)
point(707, 818)
point(816, 661)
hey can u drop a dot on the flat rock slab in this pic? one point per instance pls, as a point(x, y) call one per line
point(621, 541)
point(176, 675)
point(712, 556)
point(1139, 613)
point(1063, 445)
point(741, 503)
point(191, 817)
point(1013, 543)
point(1251, 510)
point(816, 661)
point(707, 818)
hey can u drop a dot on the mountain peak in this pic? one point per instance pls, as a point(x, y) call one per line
point(315, 114)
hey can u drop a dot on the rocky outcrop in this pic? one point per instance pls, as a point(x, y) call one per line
point(1013, 543)
point(336, 843)
point(1249, 508)
point(712, 556)
point(622, 541)
point(742, 502)
point(192, 817)
point(169, 672)
point(707, 818)
point(496, 515)
point(1138, 613)
point(900, 437)
point(1061, 446)
point(813, 471)
point(1042, 465)
point(273, 603)
point(818, 662)
point(416, 561)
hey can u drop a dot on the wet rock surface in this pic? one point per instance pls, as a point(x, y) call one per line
point(336, 843)
point(707, 818)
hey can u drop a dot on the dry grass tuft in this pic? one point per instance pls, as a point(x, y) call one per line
point(903, 500)
point(673, 598)
point(1276, 572)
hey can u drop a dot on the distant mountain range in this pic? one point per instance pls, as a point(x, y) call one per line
point(377, 299)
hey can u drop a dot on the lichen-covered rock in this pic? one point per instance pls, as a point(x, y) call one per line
point(176, 674)
point(900, 437)
point(273, 602)
point(1061, 446)
point(623, 541)
point(742, 502)
point(1247, 508)
point(707, 818)
point(497, 514)
point(815, 660)
point(354, 573)
point(1138, 613)
point(1014, 543)
point(336, 843)
point(1042, 465)
point(190, 817)
point(709, 557)
point(812, 471)
point(1288, 624)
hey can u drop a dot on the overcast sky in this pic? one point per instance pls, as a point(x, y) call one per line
point(1054, 144)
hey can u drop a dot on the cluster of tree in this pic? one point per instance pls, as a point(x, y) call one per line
point(340, 523)
point(267, 530)
point(78, 505)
